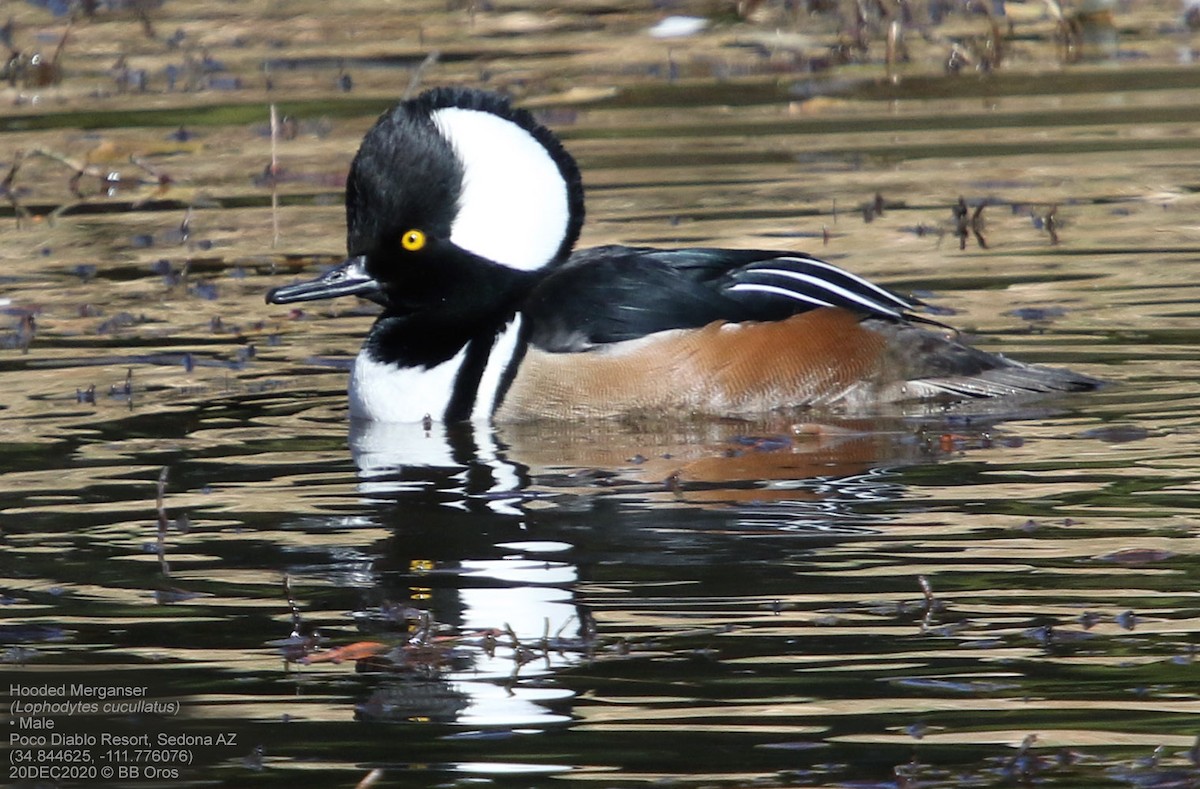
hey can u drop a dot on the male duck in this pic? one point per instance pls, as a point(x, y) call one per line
point(462, 215)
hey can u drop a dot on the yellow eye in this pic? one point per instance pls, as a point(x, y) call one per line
point(413, 240)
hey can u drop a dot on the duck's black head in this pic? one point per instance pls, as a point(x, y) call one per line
point(453, 197)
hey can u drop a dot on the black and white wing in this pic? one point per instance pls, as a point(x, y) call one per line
point(616, 293)
point(810, 282)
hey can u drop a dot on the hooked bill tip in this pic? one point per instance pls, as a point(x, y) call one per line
point(274, 297)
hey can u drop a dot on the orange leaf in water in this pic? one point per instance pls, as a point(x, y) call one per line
point(355, 651)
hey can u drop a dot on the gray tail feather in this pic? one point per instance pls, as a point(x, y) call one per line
point(935, 365)
point(1009, 378)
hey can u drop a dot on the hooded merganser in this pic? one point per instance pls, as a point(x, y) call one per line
point(462, 213)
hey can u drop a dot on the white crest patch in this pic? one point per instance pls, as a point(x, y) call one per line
point(515, 206)
point(388, 393)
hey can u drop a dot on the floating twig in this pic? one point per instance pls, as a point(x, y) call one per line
point(1051, 223)
point(9, 193)
point(968, 223)
point(931, 602)
point(274, 178)
point(893, 47)
point(163, 522)
point(291, 601)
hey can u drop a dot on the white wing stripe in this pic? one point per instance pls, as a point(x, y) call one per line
point(501, 355)
point(866, 284)
point(837, 290)
point(778, 291)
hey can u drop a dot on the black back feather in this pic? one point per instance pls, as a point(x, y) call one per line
point(615, 293)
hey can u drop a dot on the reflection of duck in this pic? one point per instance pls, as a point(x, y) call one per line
point(518, 564)
point(462, 214)
point(490, 614)
point(502, 468)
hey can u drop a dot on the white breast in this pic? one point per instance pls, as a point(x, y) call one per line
point(384, 392)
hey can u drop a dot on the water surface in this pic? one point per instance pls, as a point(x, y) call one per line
point(962, 598)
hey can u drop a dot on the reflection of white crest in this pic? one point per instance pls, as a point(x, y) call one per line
point(535, 603)
point(500, 705)
point(526, 595)
point(504, 622)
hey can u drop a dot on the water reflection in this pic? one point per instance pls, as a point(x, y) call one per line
point(717, 604)
point(754, 586)
point(484, 604)
point(479, 622)
point(720, 459)
point(395, 456)
point(611, 583)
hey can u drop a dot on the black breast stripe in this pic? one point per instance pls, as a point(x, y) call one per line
point(466, 383)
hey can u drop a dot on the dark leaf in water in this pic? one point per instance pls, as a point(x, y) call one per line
point(17, 655)
point(1037, 313)
point(796, 745)
point(225, 83)
point(1136, 556)
point(1116, 434)
point(206, 291)
point(31, 634)
point(1050, 636)
point(763, 443)
point(1127, 620)
point(168, 596)
point(954, 686)
point(121, 320)
point(1155, 779)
